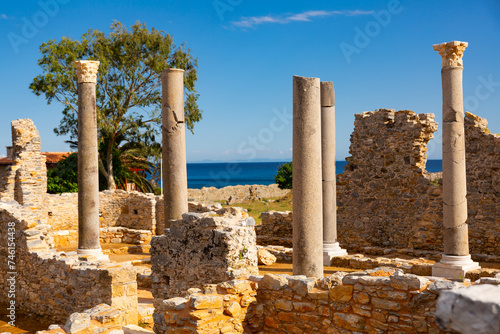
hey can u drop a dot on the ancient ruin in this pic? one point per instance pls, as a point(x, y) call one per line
point(204, 275)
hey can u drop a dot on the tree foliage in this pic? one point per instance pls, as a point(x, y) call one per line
point(64, 177)
point(128, 95)
point(284, 176)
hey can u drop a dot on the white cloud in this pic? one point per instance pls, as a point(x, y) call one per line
point(4, 17)
point(250, 22)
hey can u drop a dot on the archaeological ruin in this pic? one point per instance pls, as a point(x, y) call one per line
point(409, 241)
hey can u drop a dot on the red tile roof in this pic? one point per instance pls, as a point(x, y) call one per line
point(52, 157)
point(55, 157)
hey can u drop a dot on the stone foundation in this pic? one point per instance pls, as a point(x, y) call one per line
point(373, 301)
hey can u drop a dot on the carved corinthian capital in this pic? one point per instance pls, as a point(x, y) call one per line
point(86, 70)
point(451, 52)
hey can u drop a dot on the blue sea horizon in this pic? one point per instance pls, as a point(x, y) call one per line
point(223, 174)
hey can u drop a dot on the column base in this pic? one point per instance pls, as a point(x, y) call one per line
point(331, 250)
point(454, 266)
point(95, 253)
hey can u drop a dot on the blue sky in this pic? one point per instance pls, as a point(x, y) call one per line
point(377, 53)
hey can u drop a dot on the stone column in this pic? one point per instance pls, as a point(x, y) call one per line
point(331, 247)
point(88, 171)
point(307, 185)
point(174, 145)
point(456, 260)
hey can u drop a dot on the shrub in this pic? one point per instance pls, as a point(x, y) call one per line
point(284, 176)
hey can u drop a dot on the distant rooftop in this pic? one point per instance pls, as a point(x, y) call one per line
point(52, 157)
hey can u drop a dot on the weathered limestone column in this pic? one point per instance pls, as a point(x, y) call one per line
point(88, 171)
point(307, 185)
point(456, 260)
point(331, 247)
point(174, 145)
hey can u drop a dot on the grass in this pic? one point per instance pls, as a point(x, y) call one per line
point(256, 207)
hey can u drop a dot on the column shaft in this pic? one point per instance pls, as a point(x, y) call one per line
point(331, 247)
point(174, 145)
point(454, 174)
point(456, 260)
point(328, 163)
point(307, 176)
point(88, 172)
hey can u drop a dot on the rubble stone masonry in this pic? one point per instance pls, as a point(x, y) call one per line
point(200, 249)
point(26, 179)
point(55, 284)
point(381, 300)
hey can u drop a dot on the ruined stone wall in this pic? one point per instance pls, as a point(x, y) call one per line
point(117, 208)
point(483, 185)
point(55, 284)
point(382, 300)
point(385, 198)
point(26, 179)
point(200, 249)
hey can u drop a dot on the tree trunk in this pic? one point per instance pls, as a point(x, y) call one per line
point(109, 162)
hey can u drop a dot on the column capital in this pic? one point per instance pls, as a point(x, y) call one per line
point(451, 53)
point(86, 70)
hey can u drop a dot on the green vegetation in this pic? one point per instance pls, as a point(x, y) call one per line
point(128, 95)
point(255, 208)
point(64, 178)
point(284, 176)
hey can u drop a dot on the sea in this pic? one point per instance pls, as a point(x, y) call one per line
point(224, 174)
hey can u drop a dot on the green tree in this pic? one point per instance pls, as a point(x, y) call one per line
point(64, 177)
point(128, 96)
point(284, 176)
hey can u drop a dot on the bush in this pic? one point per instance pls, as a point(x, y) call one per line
point(284, 176)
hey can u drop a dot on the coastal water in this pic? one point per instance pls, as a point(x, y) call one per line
point(243, 173)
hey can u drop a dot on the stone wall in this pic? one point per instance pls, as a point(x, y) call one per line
point(116, 208)
point(382, 300)
point(385, 198)
point(236, 194)
point(276, 228)
point(26, 179)
point(200, 249)
point(483, 185)
point(55, 284)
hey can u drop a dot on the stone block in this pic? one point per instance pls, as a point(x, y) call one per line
point(201, 302)
point(385, 304)
point(284, 305)
point(273, 282)
point(349, 321)
point(174, 304)
point(341, 293)
point(301, 285)
point(472, 310)
point(77, 322)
